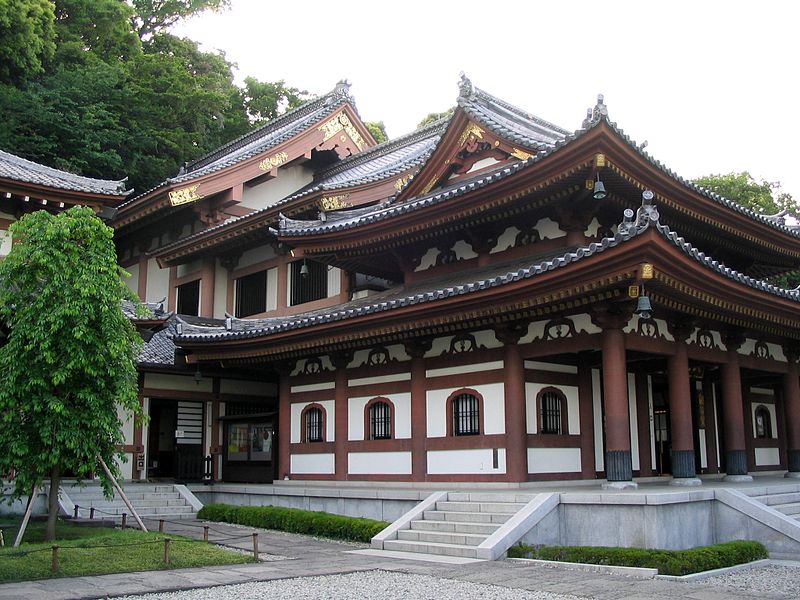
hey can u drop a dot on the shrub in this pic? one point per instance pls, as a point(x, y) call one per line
point(668, 562)
point(294, 520)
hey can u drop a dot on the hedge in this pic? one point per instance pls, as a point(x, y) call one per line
point(294, 520)
point(668, 562)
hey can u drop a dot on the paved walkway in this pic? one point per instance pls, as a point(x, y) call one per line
point(305, 556)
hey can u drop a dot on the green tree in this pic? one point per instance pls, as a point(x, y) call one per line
point(435, 116)
point(70, 355)
point(27, 37)
point(378, 130)
point(157, 16)
point(265, 100)
point(763, 197)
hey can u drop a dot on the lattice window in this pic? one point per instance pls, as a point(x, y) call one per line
point(466, 415)
point(313, 425)
point(380, 421)
point(188, 301)
point(552, 407)
point(309, 281)
point(251, 294)
point(763, 422)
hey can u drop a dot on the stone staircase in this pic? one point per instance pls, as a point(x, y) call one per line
point(785, 499)
point(465, 525)
point(151, 501)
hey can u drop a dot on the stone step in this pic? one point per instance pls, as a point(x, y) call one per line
point(460, 539)
point(466, 517)
point(131, 489)
point(98, 495)
point(136, 503)
point(773, 499)
point(788, 509)
point(485, 529)
point(503, 497)
point(103, 511)
point(430, 548)
point(490, 507)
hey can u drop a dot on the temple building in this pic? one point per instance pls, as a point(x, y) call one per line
point(490, 298)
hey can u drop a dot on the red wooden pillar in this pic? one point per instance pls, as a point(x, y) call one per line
point(514, 390)
point(643, 424)
point(340, 361)
point(733, 412)
point(284, 419)
point(711, 424)
point(680, 415)
point(791, 395)
point(585, 402)
point(207, 288)
point(615, 397)
point(416, 349)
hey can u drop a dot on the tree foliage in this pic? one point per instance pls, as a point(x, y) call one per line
point(435, 116)
point(119, 96)
point(69, 358)
point(763, 197)
point(378, 130)
point(27, 37)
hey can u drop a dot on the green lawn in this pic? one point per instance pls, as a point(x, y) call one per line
point(94, 551)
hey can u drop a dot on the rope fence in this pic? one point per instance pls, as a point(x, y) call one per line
point(167, 541)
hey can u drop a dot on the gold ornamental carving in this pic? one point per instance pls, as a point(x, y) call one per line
point(398, 185)
point(520, 154)
point(470, 130)
point(272, 162)
point(647, 271)
point(342, 122)
point(184, 195)
point(334, 202)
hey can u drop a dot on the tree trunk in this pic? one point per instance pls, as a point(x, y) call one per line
point(52, 504)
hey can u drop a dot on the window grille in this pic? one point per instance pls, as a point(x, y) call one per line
point(551, 412)
point(311, 286)
point(244, 408)
point(251, 294)
point(466, 415)
point(188, 301)
point(380, 421)
point(763, 423)
point(313, 417)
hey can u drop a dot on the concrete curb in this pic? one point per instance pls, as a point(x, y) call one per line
point(714, 572)
point(637, 572)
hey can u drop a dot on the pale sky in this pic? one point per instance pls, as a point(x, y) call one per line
point(712, 85)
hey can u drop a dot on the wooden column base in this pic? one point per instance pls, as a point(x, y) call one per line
point(683, 463)
point(619, 466)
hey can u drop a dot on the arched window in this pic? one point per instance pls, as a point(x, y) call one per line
point(763, 422)
point(465, 409)
point(552, 411)
point(379, 419)
point(313, 423)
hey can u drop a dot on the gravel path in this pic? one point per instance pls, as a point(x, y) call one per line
point(772, 579)
point(377, 585)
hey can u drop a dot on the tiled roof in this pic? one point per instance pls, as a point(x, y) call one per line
point(262, 139)
point(374, 164)
point(506, 120)
point(474, 281)
point(26, 171)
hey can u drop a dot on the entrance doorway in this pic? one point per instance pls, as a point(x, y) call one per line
point(175, 440)
point(661, 427)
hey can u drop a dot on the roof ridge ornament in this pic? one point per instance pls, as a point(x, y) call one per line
point(465, 87)
point(647, 213)
point(342, 87)
point(600, 110)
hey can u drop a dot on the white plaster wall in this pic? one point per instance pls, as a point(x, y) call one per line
point(379, 379)
point(132, 282)
point(325, 361)
point(549, 229)
point(532, 415)
point(330, 419)
point(396, 353)
point(748, 347)
point(157, 282)
point(268, 193)
point(701, 436)
point(145, 438)
point(772, 417)
point(551, 367)
point(272, 288)
point(320, 464)
point(334, 282)
point(243, 387)
point(597, 409)
point(452, 462)
point(402, 416)
point(483, 163)
point(583, 324)
point(463, 250)
point(177, 382)
point(632, 415)
point(763, 391)
point(462, 370)
point(126, 418)
point(379, 463)
point(428, 259)
point(313, 387)
point(493, 416)
point(190, 268)
point(220, 291)
point(767, 456)
point(593, 228)
point(256, 255)
point(554, 460)
point(5, 242)
point(506, 240)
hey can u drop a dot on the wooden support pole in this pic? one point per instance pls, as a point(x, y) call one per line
point(121, 493)
point(205, 533)
point(255, 547)
point(91, 512)
point(161, 526)
point(75, 512)
point(124, 520)
point(166, 551)
point(54, 561)
point(27, 517)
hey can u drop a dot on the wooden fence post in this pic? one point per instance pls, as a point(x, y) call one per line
point(205, 533)
point(166, 551)
point(54, 561)
point(255, 546)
